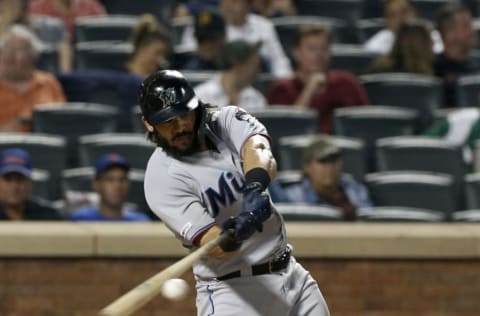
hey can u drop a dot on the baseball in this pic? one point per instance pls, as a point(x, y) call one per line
point(175, 289)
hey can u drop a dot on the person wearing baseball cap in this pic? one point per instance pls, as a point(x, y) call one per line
point(324, 183)
point(16, 186)
point(111, 183)
point(209, 30)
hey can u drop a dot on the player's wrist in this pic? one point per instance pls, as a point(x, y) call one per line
point(257, 177)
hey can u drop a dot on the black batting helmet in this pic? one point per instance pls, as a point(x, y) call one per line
point(166, 94)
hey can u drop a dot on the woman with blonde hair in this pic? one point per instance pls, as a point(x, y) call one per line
point(412, 51)
point(151, 47)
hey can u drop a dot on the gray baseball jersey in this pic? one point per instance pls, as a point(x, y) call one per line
point(193, 193)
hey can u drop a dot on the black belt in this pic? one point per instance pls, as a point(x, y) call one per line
point(263, 268)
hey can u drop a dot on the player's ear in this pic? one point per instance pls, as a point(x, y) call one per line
point(149, 127)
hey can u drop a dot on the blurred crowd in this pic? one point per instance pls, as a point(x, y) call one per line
point(316, 57)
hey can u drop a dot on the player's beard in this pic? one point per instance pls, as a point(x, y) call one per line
point(175, 152)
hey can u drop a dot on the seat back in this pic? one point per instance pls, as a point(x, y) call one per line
point(104, 28)
point(351, 58)
point(74, 120)
point(399, 214)
point(134, 147)
point(304, 212)
point(468, 91)
point(102, 55)
point(413, 189)
point(423, 94)
point(283, 121)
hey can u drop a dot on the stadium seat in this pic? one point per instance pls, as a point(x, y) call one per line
point(348, 10)
point(50, 30)
point(420, 153)
point(74, 120)
point(305, 212)
point(467, 216)
point(287, 121)
point(102, 55)
point(288, 177)
point(472, 191)
point(48, 59)
point(41, 185)
point(398, 214)
point(48, 153)
point(423, 94)
point(366, 28)
point(108, 87)
point(351, 58)
point(353, 153)
point(373, 122)
point(78, 181)
point(161, 9)
point(468, 91)
point(104, 28)
point(413, 189)
point(287, 28)
point(428, 9)
point(134, 147)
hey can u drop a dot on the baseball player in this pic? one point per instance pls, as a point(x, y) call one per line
point(209, 176)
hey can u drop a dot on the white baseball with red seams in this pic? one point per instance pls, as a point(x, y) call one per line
point(175, 289)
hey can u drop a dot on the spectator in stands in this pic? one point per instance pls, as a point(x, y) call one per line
point(112, 185)
point(49, 30)
point(411, 53)
point(16, 186)
point(66, 10)
point(396, 12)
point(274, 8)
point(324, 182)
point(22, 86)
point(151, 47)
point(252, 28)
point(314, 85)
point(240, 62)
point(210, 37)
point(455, 26)
point(242, 25)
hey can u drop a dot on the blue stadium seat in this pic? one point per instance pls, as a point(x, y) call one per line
point(102, 55)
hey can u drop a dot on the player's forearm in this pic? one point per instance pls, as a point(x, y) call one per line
point(258, 154)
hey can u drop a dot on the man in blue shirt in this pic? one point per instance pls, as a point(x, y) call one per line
point(324, 182)
point(112, 185)
point(16, 203)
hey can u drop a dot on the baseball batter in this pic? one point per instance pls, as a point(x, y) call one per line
point(209, 176)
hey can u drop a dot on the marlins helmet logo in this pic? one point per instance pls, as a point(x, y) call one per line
point(167, 96)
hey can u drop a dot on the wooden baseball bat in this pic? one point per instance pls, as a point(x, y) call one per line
point(137, 297)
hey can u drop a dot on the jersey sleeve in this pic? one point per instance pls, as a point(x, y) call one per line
point(237, 126)
point(178, 204)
